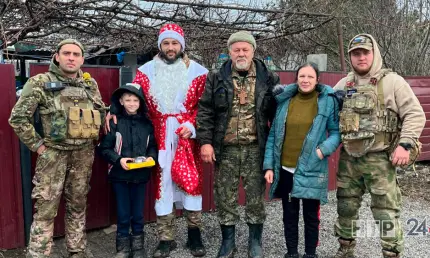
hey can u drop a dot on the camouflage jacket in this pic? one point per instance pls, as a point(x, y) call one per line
point(215, 106)
point(34, 96)
point(242, 129)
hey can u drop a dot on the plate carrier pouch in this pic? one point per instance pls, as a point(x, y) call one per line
point(364, 119)
point(73, 116)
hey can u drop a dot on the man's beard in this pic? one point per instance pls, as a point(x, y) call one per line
point(362, 72)
point(170, 60)
point(242, 65)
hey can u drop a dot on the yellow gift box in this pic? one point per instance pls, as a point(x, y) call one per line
point(141, 162)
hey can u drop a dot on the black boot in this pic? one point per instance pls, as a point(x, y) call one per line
point(122, 247)
point(228, 246)
point(164, 248)
point(255, 249)
point(194, 242)
point(137, 248)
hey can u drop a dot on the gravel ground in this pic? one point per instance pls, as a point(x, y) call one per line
point(102, 244)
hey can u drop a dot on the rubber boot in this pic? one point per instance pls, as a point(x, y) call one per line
point(228, 245)
point(255, 249)
point(195, 243)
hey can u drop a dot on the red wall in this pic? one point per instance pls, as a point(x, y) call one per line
point(420, 86)
point(11, 209)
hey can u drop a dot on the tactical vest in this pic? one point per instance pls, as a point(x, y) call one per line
point(74, 119)
point(364, 120)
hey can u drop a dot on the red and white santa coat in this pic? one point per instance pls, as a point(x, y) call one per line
point(179, 175)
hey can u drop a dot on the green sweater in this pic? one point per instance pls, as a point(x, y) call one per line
point(301, 112)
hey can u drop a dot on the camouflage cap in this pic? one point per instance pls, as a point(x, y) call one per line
point(70, 41)
point(360, 41)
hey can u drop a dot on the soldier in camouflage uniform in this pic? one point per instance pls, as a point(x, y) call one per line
point(71, 111)
point(380, 124)
point(232, 126)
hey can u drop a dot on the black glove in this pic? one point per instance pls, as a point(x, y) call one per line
point(278, 89)
point(339, 96)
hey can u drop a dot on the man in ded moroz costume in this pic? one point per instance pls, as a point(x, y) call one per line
point(172, 85)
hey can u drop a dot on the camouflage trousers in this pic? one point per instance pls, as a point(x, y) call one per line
point(374, 173)
point(236, 162)
point(57, 170)
point(166, 224)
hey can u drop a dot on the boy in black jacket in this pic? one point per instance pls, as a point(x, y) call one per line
point(131, 137)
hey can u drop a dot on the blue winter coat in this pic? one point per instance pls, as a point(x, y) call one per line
point(311, 174)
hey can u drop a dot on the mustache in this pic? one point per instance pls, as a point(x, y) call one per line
point(168, 60)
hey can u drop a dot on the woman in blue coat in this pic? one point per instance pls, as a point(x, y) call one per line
point(297, 150)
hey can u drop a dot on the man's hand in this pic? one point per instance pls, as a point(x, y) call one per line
point(41, 149)
point(109, 117)
point(207, 153)
point(123, 162)
point(269, 176)
point(400, 156)
point(185, 132)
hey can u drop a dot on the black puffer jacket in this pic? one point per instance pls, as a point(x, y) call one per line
point(216, 103)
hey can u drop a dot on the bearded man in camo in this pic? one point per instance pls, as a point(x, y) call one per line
point(232, 126)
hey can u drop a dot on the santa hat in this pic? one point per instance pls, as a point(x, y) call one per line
point(172, 31)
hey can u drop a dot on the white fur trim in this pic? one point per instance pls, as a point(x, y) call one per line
point(195, 70)
point(173, 35)
point(191, 128)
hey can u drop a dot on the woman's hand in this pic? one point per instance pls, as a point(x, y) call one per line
point(269, 176)
point(320, 154)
